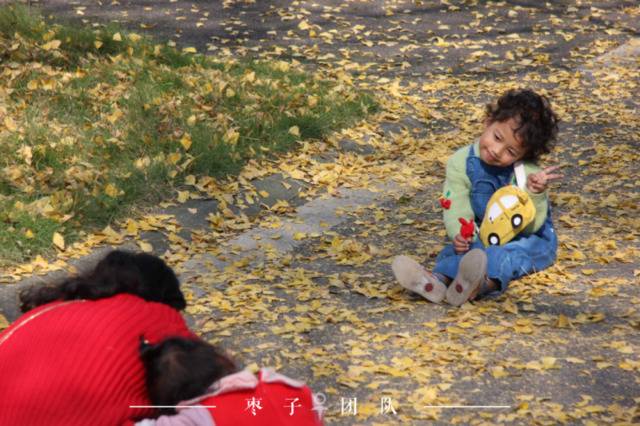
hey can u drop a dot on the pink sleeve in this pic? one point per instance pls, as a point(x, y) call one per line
point(196, 416)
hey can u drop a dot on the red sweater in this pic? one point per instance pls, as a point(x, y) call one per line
point(77, 363)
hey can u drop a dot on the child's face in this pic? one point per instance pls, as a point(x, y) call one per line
point(499, 145)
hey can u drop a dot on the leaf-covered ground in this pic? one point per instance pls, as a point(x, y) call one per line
point(95, 121)
point(561, 346)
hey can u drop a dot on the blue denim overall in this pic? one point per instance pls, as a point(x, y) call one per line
point(522, 255)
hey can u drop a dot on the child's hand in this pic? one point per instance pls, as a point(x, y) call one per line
point(538, 182)
point(461, 244)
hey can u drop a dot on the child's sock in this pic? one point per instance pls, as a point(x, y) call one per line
point(488, 286)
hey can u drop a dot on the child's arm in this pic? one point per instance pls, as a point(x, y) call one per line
point(458, 186)
point(536, 187)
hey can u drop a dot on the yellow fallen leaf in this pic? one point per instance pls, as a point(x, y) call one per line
point(186, 142)
point(134, 37)
point(191, 121)
point(174, 157)
point(563, 322)
point(295, 131)
point(142, 163)
point(498, 372)
point(3, 322)
point(52, 45)
point(304, 25)
point(253, 367)
point(117, 37)
point(132, 227)
point(231, 136)
point(510, 307)
point(145, 246)
point(97, 44)
point(299, 236)
point(190, 180)
point(111, 190)
point(183, 196)
point(58, 240)
point(249, 77)
point(10, 124)
point(189, 50)
point(549, 362)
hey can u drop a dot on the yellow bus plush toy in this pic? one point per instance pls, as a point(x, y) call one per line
point(509, 211)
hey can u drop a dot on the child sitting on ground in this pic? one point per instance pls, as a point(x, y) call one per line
point(520, 127)
point(208, 390)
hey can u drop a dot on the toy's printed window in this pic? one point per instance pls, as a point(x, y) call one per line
point(494, 212)
point(509, 201)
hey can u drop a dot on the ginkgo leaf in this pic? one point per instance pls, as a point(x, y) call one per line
point(51, 45)
point(185, 141)
point(10, 124)
point(58, 240)
point(295, 131)
point(304, 25)
point(183, 196)
point(111, 190)
point(145, 246)
point(3, 322)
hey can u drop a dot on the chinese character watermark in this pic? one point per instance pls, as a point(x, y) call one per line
point(254, 404)
point(293, 405)
point(318, 403)
point(386, 406)
point(348, 406)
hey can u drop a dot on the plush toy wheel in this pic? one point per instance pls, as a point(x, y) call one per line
point(494, 240)
point(516, 220)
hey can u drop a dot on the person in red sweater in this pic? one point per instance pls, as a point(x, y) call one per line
point(72, 358)
point(208, 390)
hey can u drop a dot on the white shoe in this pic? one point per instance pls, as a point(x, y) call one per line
point(412, 276)
point(472, 272)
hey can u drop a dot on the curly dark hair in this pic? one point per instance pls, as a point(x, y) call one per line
point(178, 369)
point(537, 123)
point(141, 274)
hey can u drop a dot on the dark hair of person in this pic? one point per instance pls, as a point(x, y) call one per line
point(140, 274)
point(178, 369)
point(537, 123)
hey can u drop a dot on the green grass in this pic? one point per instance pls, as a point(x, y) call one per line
point(95, 121)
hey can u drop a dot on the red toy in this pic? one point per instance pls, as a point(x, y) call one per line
point(467, 229)
point(445, 202)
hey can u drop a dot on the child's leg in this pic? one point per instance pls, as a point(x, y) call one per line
point(448, 260)
point(518, 258)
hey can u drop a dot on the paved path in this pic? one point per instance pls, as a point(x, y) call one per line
point(306, 286)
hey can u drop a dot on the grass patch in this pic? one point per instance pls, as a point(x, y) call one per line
point(93, 121)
